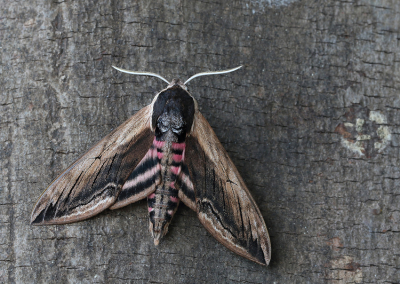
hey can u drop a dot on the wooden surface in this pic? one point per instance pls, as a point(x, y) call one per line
point(311, 121)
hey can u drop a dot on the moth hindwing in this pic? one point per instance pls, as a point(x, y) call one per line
point(168, 153)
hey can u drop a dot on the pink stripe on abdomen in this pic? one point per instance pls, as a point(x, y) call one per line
point(158, 144)
point(176, 170)
point(174, 199)
point(177, 158)
point(178, 146)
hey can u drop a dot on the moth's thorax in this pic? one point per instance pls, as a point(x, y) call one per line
point(163, 203)
point(173, 110)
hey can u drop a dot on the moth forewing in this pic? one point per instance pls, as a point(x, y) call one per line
point(224, 204)
point(92, 183)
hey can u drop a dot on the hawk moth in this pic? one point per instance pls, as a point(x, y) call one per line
point(168, 153)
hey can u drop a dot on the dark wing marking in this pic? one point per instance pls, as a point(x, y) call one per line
point(142, 181)
point(93, 182)
point(224, 204)
point(185, 187)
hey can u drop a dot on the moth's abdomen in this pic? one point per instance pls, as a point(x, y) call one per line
point(163, 203)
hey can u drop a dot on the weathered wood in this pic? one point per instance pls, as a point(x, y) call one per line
point(318, 76)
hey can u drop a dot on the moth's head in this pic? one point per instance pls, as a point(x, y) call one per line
point(177, 83)
point(173, 108)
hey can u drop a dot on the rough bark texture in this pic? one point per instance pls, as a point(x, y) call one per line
point(312, 123)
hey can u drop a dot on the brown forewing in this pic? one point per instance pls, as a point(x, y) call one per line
point(93, 182)
point(224, 204)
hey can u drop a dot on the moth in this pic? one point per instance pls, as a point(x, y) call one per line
point(168, 153)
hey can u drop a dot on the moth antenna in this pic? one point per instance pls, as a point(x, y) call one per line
point(141, 73)
point(213, 73)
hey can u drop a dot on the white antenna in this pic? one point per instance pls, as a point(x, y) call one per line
point(142, 73)
point(212, 73)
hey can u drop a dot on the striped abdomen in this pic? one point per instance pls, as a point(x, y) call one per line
point(163, 203)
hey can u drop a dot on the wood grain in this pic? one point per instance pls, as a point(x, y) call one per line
point(309, 66)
